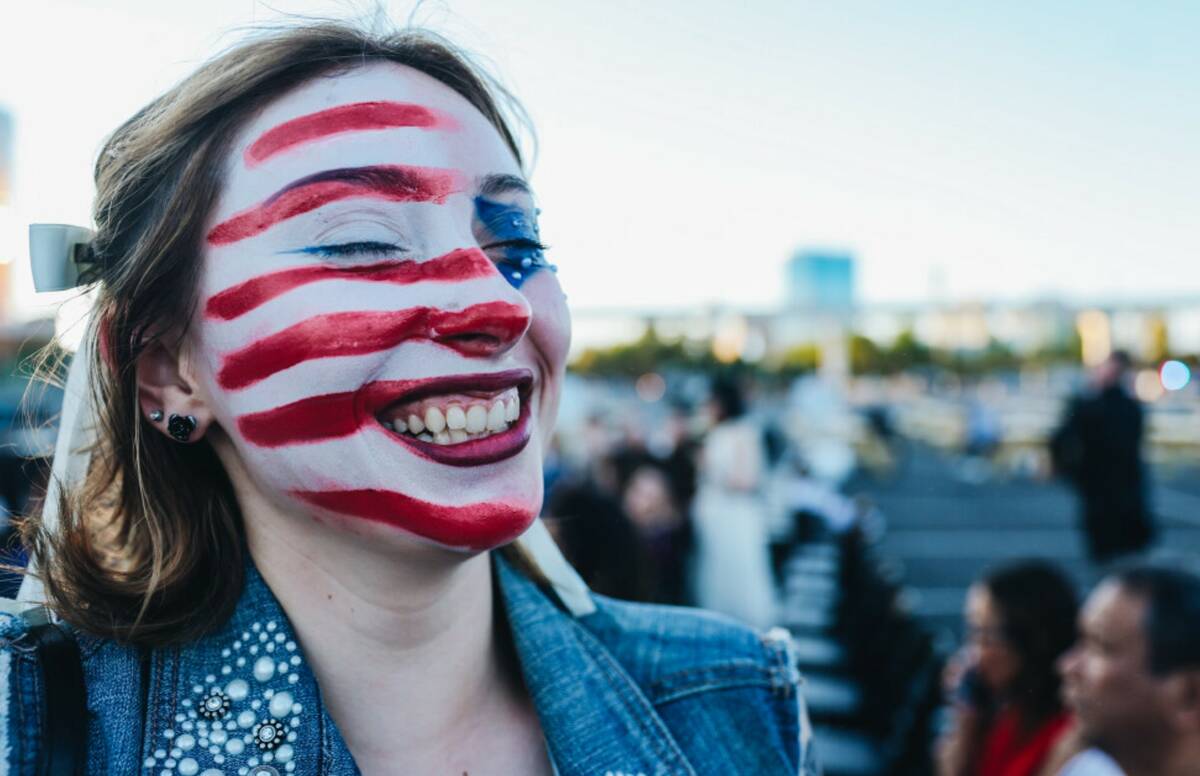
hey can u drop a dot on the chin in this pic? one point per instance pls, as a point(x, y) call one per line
point(456, 507)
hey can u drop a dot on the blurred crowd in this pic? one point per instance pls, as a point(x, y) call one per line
point(701, 514)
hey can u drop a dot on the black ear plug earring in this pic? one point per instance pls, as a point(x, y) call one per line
point(180, 427)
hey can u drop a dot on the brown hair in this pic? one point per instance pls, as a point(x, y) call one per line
point(150, 548)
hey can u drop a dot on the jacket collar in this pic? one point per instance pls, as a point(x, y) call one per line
point(594, 716)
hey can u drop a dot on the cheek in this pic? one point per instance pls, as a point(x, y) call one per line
point(333, 459)
point(551, 327)
point(550, 337)
point(998, 666)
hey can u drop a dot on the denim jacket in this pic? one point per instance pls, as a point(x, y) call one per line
point(629, 689)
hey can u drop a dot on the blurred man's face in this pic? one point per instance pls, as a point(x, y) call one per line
point(1121, 707)
point(1108, 372)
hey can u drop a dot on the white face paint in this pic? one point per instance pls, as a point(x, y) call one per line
point(372, 262)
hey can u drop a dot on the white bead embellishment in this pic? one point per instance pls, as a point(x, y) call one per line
point(238, 689)
point(237, 724)
point(281, 704)
point(264, 669)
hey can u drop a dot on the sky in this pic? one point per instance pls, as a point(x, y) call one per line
point(961, 151)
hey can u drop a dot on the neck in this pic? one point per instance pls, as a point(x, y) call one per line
point(1182, 760)
point(385, 631)
point(1178, 758)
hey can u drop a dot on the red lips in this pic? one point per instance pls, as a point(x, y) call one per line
point(475, 452)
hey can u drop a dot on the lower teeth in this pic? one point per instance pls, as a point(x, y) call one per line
point(451, 437)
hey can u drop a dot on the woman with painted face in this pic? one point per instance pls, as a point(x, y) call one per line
point(1007, 714)
point(293, 523)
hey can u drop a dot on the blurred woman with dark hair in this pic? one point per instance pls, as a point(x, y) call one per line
point(1007, 712)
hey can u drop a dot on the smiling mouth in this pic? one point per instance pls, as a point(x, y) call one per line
point(465, 420)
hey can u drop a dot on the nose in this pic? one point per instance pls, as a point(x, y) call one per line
point(1067, 662)
point(488, 327)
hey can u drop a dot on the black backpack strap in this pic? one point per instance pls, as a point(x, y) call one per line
point(64, 737)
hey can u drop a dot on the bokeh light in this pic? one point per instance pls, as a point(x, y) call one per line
point(1175, 375)
point(1147, 386)
point(650, 387)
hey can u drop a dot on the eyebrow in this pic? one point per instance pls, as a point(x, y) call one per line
point(492, 185)
point(355, 117)
point(395, 183)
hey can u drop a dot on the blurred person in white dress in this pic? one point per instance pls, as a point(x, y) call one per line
point(732, 572)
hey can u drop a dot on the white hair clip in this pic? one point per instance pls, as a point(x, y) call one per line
point(56, 252)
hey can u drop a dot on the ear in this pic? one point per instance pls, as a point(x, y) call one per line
point(168, 394)
point(1183, 691)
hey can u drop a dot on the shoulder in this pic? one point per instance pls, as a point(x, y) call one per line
point(655, 643)
point(704, 671)
point(58, 685)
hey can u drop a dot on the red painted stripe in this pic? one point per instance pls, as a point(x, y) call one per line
point(309, 420)
point(354, 333)
point(461, 264)
point(317, 418)
point(395, 183)
point(336, 415)
point(344, 118)
point(478, 526)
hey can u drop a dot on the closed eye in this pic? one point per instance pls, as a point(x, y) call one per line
point(353, 249)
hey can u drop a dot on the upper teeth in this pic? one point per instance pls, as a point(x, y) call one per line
point(453, 422)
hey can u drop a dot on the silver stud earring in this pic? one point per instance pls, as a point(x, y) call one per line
point(156, 415)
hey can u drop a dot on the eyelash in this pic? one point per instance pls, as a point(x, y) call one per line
point(375, 248)
point(532, 245)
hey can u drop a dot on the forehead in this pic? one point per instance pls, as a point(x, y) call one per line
point(979, 604)
point(1115, 613)
point(381, 113)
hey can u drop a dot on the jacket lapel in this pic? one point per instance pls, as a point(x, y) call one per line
point(254, 669)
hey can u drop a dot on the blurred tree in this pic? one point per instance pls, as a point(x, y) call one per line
point(796, 360)
point(648, 353)
point(907, 353)
point(1068, 350)
point(866, 357)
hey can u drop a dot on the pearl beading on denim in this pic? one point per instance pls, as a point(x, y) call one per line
point(242, 722)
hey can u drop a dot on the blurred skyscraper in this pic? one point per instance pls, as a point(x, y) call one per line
point(821, 280)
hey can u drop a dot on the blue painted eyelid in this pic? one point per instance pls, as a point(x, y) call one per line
point(512, 223)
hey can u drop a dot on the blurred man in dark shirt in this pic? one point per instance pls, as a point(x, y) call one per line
point(1098, 448)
